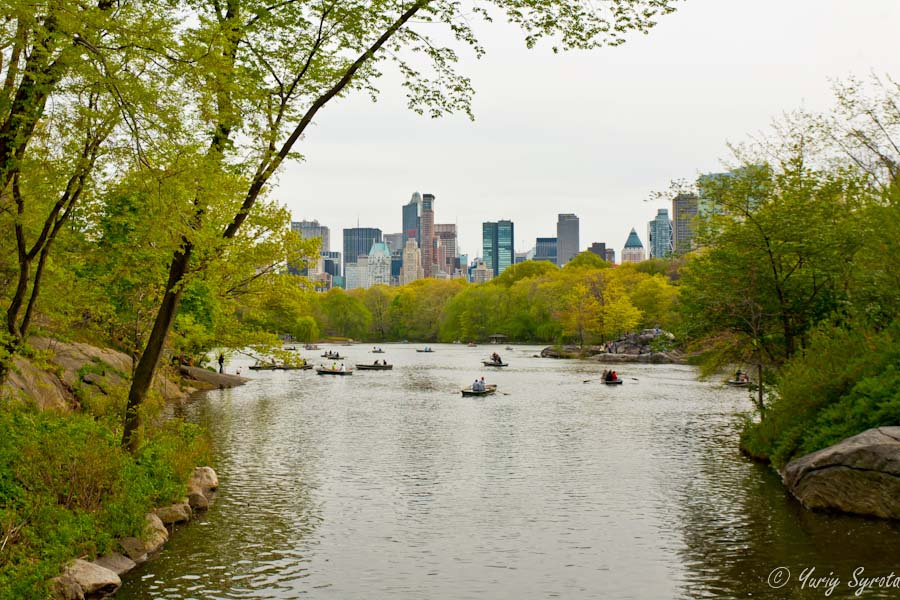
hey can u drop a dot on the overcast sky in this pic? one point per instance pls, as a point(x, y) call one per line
point(592, 133)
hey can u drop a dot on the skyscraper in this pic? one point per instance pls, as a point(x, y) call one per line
point(411, 215)
point(394, 240)
point(634, 249)
point(412, 262)
point(357, 242)
point(312, 229)
point(659, 235)
point(567, 242)
point(427, 234)
point(684, 211)
point(545, 249)
point(446, 233)
point(497, 243)
point(598, 248)
point(380, 264)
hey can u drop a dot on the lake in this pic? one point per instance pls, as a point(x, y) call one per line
point(391, 485)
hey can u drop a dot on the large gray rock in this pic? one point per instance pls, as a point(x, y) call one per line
point(176, 513)
point(92, 578)
point(155, 534)
point(205, 479)
point(197, 500)
point(859, 475)
point(134, 549)
point(65, 587)
point(116, 563)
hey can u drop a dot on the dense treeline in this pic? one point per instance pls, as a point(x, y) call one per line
point(585, 302)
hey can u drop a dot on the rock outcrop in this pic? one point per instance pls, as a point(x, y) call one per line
point(74, 369)
point(211, 379)
point(643, 347)
point(858, 475)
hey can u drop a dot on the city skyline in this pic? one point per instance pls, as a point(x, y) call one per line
point(661, 107)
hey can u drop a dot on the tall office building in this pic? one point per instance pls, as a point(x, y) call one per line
point(427, 235)
point(446, 233)
point(545, 249)
point(312, 229)
point(567, 242)
point(412, 212)
point(394, 241)
point(379, 264)
point(357, 273)
point(357, 242)
point(634, 249)
point(497, 244)
point(412, 263)
point(598, 248)
point(659, 235)
point(482, 272)
point(332, 263)
point(684, 211)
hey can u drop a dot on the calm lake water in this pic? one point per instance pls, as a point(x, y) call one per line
point(391, 485)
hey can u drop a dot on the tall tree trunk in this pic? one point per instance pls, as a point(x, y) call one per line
point(146, 367)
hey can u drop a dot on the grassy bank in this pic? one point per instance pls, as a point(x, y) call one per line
point(67, 490)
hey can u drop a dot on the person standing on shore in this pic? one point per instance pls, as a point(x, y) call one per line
point(221, 362)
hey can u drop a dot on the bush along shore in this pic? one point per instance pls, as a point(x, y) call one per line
point(77, 509)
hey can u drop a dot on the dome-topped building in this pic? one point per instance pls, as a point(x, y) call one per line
point(634, 249)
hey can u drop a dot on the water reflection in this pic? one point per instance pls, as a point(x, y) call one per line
point(390, 485)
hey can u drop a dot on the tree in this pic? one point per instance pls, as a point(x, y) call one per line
point(581, 316)
point(773, 263)
point(586, 259)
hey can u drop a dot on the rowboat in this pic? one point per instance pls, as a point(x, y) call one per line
point(735, 383)
point(487, 391)
point(333, 356)
point(374, 367)
point(270, 367)
point(310, 347)
point(490, 363)
point(379, 351)
point(472, 345)
point(324, 371)
point(613, 382)
point(425, 350)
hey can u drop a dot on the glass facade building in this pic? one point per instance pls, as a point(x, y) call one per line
point(498, 248)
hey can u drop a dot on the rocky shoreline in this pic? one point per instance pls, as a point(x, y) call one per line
point(84, 580)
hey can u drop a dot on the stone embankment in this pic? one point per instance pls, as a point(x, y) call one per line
point(859, 475)
point(84, 580)
point(643, 347)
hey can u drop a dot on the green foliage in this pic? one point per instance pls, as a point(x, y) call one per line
point(828, 391)
point(68, 490)
point(586, 260)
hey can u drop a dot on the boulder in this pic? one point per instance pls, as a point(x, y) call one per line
point(205, 479)
point(176, 513)
point(116, 563)
point(65, 587)
point(155, 534)
point(134, 549)
point(858, 475)
point(92, 578)
point(197, 500)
